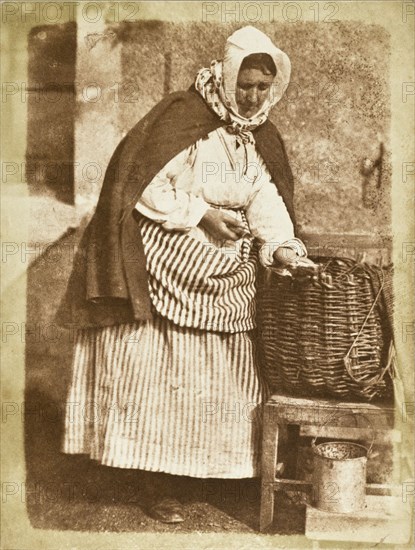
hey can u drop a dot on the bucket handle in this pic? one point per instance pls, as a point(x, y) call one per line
point(334, 416)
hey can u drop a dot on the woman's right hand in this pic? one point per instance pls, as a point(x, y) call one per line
point(222, 226)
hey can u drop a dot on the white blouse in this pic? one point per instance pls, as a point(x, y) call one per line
point(219, 172)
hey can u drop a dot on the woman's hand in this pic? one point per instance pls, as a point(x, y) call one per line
point(298, 265)
point(174, 228)
point(222, 226)
point(285, 256)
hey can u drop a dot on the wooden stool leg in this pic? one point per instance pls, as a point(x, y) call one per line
point(269, 462)
point(293, 432)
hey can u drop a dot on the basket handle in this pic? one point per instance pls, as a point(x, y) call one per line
point(334, 416)
point(347, 361)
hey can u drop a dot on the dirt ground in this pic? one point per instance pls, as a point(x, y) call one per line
point(75, 493)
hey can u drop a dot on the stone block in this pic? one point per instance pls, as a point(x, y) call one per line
point(384, 520)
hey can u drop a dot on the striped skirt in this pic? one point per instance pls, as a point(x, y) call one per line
point(158, 397)
point(181, 393)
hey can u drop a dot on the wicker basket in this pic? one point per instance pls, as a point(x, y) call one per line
point(329, 336)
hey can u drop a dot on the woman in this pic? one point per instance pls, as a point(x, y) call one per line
point(197, 195)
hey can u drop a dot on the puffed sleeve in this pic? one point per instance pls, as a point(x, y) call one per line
point(268, 218)
point(168, 199)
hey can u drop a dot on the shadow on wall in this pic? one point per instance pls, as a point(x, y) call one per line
point(51, 111)
point(336, 111)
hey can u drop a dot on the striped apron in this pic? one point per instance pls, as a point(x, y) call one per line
point(194, 282)
point(180, 393)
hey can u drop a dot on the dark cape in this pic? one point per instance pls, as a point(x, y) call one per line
point(108, 283)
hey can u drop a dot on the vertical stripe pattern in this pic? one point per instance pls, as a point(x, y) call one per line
point(195, 283)
point(159, 397)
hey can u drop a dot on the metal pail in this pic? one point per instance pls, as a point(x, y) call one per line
point(339, 477)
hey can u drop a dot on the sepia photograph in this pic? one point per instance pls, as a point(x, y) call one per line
point(208, 274)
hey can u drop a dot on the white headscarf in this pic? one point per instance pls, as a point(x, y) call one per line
point(218, 83)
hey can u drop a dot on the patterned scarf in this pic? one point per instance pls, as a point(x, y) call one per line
point(209, 83)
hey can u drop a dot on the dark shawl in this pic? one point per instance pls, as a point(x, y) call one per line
point(108, 283)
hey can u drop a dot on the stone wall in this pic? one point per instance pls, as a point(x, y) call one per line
point(335, 112)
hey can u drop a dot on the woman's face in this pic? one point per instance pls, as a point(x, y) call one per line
point(252, 90)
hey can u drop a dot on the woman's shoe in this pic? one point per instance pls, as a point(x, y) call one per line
point(167, 510)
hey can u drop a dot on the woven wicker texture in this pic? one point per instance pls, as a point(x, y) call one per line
point(330, 335)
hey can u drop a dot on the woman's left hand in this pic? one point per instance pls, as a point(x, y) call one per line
point(287, 257)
